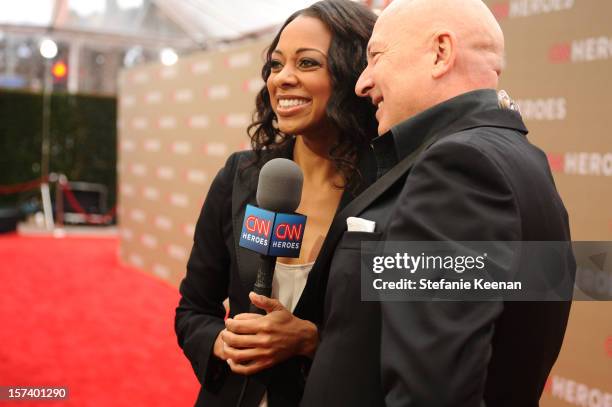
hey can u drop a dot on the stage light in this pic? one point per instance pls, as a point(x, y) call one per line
point(48, 48)
point(59, 70)
point(168, 56)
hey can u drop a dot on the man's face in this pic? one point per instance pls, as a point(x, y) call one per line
point(398, 73)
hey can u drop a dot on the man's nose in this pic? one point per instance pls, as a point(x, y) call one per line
point(364, 84)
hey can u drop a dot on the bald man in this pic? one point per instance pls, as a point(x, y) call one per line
point(454, 164)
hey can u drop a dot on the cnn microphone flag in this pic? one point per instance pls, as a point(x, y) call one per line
point(272, 234)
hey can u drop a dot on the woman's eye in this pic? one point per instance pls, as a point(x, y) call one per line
point(308, 63)
point(275, 65)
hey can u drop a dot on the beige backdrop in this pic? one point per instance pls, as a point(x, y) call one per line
point(178, 124)
point(558, 67)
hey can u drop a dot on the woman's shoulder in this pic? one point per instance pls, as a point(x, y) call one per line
point(236, 160)
point(239, 157)
point(238, 163)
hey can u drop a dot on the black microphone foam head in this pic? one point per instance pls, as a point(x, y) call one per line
point(280, 186)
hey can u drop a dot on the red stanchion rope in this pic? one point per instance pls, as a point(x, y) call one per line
point(89, 218)
point(24, 186)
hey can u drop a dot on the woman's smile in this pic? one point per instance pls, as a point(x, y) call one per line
point(289, 105)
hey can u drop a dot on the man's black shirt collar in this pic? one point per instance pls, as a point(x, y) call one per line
point(456, 114)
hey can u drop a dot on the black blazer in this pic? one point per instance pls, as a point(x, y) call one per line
point(219, 268)
point(477, 179)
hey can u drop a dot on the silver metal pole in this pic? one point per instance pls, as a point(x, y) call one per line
point(73, 66)
point(44, 165)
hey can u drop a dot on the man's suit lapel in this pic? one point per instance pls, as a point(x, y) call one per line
point(310, 304)
point(364, 200)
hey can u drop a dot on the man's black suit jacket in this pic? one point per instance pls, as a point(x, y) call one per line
point(463, 171)
point(218, 268)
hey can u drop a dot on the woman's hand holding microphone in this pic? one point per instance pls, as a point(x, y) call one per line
point(252, 342)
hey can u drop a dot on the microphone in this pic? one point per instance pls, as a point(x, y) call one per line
point(272, 229)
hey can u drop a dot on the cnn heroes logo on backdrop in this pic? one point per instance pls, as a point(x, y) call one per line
point(581, 50)
point(527, 8)
point(581, 163)
point(543, 109)
point(576, 393)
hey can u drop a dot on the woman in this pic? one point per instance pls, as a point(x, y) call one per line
point(307, 111)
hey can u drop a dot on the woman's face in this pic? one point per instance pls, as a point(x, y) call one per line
point(299, 83)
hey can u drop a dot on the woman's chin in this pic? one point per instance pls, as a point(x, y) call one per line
point(290, 128)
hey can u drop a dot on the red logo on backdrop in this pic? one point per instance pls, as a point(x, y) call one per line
point(501, 10)
point(608, 346)
point(556, 162)
point(245, 85)
point(560, 53)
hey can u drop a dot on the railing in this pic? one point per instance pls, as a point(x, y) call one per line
point(62, 190)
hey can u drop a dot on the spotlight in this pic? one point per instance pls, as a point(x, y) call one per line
point(48, 48)
point(168, 56)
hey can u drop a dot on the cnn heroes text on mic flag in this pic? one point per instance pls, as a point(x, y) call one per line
point(272, 234)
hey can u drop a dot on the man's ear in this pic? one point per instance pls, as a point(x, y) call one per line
point(444, 50)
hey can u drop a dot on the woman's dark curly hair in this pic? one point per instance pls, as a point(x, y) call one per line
point(351, 25)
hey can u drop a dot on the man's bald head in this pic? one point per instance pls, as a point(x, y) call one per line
point(480, 41)
point(423, 52)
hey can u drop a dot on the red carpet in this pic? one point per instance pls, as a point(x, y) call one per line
point(71, 315)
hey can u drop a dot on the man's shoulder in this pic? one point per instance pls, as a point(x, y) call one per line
point(504, 151)
point(497, 143)
point(486, 137)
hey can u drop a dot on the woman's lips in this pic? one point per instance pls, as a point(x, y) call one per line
point(288, 107)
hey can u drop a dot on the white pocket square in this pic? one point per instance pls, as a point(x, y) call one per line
point(360, 225)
